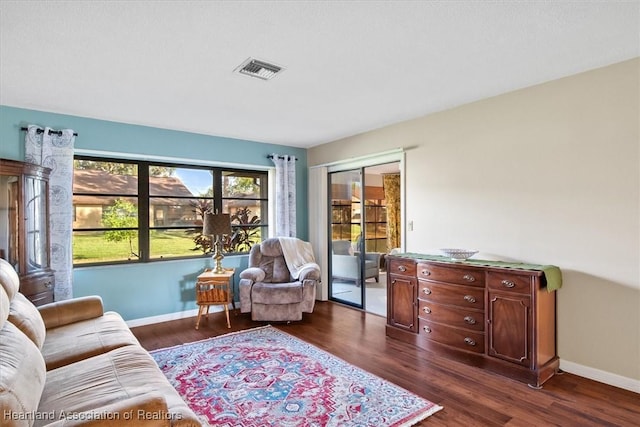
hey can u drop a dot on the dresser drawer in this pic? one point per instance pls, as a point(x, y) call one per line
point(459, 338)
point(41, 298)
point(31, 285)
point(404, 267)
point(461, 296)
point(520, 283)
point(451, 316)
point(453, 274)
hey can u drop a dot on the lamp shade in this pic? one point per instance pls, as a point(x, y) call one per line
point(216, 224)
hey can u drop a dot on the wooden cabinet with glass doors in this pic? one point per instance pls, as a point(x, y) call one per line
point(24, 230)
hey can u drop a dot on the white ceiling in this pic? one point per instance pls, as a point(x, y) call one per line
point(350, 66)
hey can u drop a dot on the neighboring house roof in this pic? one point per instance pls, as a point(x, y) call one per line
point(101, 182)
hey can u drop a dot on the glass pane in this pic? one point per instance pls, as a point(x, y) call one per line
point(105, 246)
point(170, 212)
point(36, 224)
point(240, 185)
point(346, 212)
point(244, 237)
point(174, 243)
point(105, 212)
point(247, 221)
point(105, 177)
point(245, 212)
point(180, 182)
point(9, 242)
point(371, 214)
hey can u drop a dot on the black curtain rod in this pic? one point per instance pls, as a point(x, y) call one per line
point(40, 130)
point(270, 156)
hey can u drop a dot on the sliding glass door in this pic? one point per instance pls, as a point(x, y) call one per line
point(346, 243)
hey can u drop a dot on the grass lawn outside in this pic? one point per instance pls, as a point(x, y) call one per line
point(91, 247)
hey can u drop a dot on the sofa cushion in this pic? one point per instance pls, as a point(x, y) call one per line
point(77, 341)
point(9, 279)
point(22, 376)
point(4, 307)
point(104, 380)
point(25, 315)
point(277, 293)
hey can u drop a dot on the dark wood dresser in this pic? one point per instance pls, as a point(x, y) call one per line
point(496, 318)
point(24, 227)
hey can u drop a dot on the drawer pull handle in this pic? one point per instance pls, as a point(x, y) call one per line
point(469, 278)
point(508, 284)
point(427, 310)
point(469, 341)
point(427, 291)
point(48, 285)
point(470, 298)
point(426, 273)
point(402, 268)
point(427, 329)
point(470, 320)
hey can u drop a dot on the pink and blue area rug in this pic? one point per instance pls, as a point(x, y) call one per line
point(265, 377)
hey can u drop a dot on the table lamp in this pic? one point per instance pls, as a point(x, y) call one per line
point(216, 225)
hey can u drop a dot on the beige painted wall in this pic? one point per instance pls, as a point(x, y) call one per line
point(548, 174)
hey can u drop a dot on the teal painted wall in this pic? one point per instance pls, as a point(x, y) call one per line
point(142, 290)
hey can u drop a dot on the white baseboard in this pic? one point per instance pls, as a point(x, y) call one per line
point(601, 376)
point(169, 316)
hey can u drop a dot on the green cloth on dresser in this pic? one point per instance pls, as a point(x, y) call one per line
point(551, 272)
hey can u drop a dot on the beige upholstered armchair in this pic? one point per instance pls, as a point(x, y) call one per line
point(280, 282)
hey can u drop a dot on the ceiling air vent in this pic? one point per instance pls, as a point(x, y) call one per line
point(260, 69)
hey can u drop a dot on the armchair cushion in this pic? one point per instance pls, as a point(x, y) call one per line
point(253, 273)
point(277, 293)
point(342, 247)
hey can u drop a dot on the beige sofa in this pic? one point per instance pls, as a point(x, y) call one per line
point(70, 363)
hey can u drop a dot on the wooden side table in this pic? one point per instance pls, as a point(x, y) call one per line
point(214, 289)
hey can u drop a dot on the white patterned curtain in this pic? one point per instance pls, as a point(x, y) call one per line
point(285, 195)
point(55, 150)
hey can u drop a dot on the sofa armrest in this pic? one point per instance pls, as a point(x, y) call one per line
point(253, 273)
point(70, 311)
point(145, 410)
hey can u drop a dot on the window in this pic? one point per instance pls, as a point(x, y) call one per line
point(139, 211)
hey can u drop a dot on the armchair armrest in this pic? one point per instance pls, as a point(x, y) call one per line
point(375, 256)
point(253, 273)
point(70, 311)
point(310, 271)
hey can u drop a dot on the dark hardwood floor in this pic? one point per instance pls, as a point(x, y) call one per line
point(470, 396)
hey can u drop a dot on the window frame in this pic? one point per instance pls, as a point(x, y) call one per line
point(144, 197)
